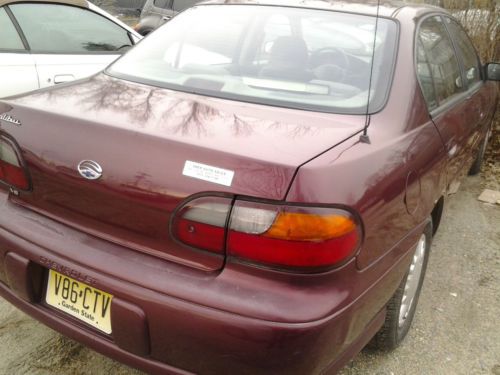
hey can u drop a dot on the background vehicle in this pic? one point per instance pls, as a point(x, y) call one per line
point(130, 7)
point(156, 12)
point(51, 42)
point(248, 197)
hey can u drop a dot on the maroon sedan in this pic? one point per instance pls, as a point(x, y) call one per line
point(252, 189)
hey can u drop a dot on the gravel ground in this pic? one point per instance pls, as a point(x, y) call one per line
point(456, 328)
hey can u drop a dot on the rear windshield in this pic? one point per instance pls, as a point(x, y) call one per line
point(289, 57)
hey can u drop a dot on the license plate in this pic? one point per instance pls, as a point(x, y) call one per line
point(90, 305)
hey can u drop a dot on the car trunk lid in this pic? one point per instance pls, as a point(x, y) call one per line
point(151, 144)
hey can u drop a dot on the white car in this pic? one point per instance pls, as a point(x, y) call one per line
point(47, 42)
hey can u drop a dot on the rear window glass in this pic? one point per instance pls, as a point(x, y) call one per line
point(56, 28)
point(298, 58)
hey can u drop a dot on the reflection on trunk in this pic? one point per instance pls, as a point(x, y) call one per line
point(145, 106)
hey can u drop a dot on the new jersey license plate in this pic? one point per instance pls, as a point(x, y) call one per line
point(90, 305)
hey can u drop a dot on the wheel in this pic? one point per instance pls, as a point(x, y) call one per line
point(402, 305)
point(476, 166)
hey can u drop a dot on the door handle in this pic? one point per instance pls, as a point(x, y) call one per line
point(61, 78)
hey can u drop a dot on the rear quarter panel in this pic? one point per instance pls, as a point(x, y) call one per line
point(395, 180)
point(393, 183)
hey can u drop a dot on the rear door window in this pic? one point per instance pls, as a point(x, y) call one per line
point(443, 63)
point(425, 77)
point(466, 51)
point(53, 28)
point(9, 38)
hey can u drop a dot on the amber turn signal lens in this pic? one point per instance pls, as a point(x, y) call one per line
point(309, 227)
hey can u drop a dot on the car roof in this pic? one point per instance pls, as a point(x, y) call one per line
point(78, 3)
point(388, 8)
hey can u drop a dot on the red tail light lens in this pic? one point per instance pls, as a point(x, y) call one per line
point(201, 223)
point(292, 236)
point(274, 235)
point(12, 170)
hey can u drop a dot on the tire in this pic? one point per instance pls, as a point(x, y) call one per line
point(400, 313)
point(476, 166)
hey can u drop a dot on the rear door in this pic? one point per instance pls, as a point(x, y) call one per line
point(447, 96)
point(69, 42)
point(17, 67)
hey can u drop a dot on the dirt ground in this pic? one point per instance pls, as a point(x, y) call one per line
point(456, 328)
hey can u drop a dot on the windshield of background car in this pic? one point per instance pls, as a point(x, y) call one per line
point(289, 57)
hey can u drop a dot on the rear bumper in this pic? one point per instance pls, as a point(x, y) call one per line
point(221, 363)
point(246, 323)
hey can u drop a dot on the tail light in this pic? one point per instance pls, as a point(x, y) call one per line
point(292, 236)
point(201, 223)
point(12, 170)
point(275, 235)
